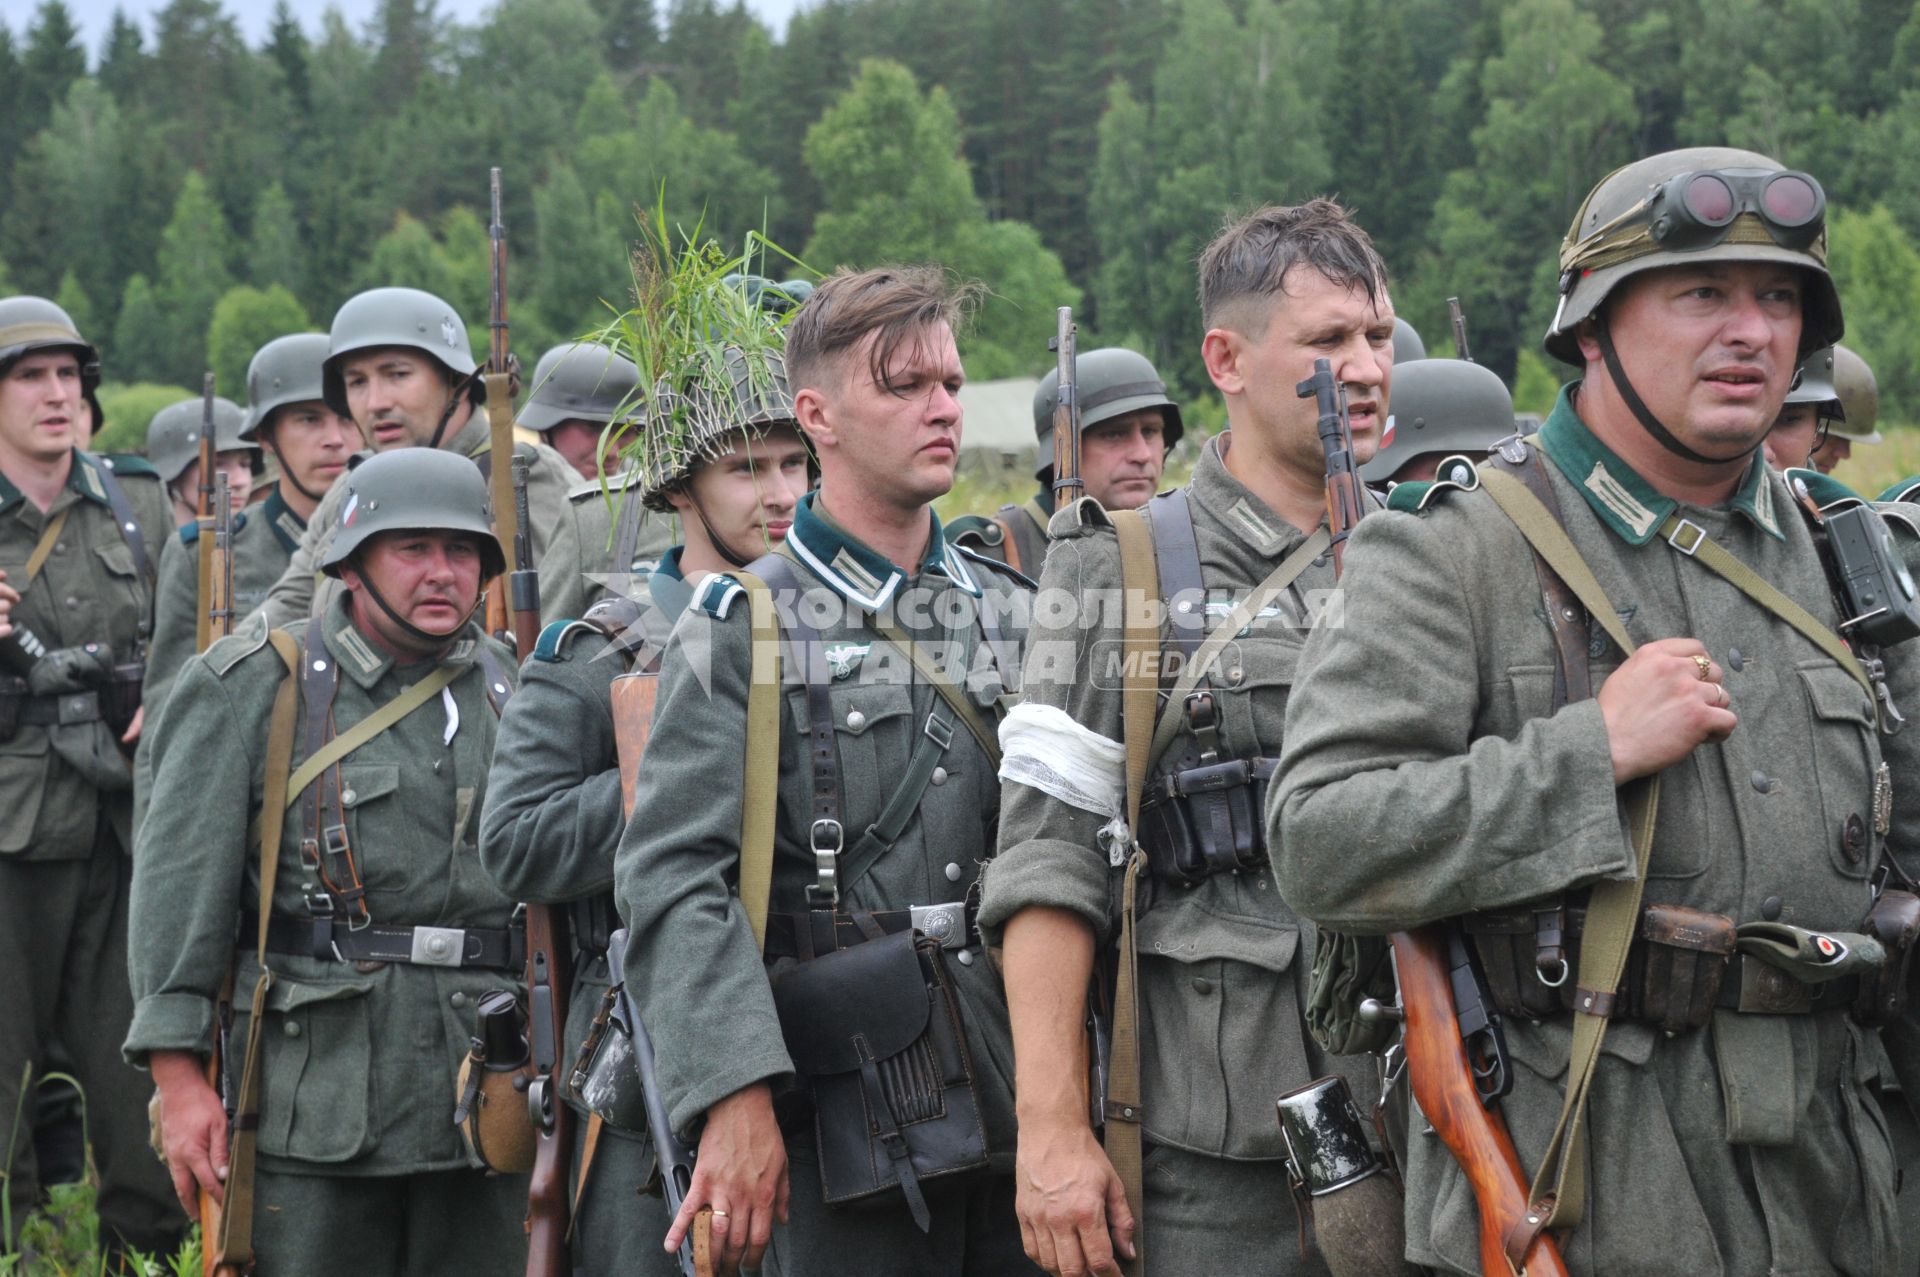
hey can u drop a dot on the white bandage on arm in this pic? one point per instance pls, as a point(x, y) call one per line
point(1043, 747)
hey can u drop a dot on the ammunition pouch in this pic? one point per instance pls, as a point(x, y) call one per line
point(120, 697)
point(1199, 821)
point(875, 1031)
point(605, 1078)
point(1674, 974)
point(492, 1111)
point(1885, 995)
point(593, 922)
point(13, 698)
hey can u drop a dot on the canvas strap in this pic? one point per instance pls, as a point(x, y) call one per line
point(1558, 1194)
point(232, 1249)
point(369, 727)
point(44, 547)
point(760, 786)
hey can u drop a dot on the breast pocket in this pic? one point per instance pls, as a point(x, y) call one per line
point(871, 726)
point(367, 796)
point(124, 594)
point(1844, 757)
point(1257, 673)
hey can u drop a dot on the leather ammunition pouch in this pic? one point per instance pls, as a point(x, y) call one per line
point(120, 697)
point(1209, 819)
point(1894, 921)
point(875, 1032)
point(1675, 969)
point(492, 1111)
point(13, 698)
point(605, 1078)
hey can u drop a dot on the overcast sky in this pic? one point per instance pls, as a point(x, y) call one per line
point(94, 16)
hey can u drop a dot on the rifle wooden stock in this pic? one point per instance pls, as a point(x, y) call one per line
point(209, 458)
point(1442, 1079)
point(216, 622)
point(633, 701)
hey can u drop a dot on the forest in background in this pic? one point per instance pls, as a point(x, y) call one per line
point(187, 196)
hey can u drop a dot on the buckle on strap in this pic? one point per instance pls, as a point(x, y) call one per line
point(439, 947)
point(1680, 539)
point(938, 731)
point(827, 838)
point(946, 923)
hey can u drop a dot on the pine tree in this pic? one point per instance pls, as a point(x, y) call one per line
point(193, 275)
point(287, 50)
point(140, 336)
point(79, 307)
point(53, 61)
point(123, 63)
point(273, 248)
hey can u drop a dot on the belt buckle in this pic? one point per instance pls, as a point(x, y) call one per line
point(826, 838)
point(79, 707)
point(946, 923)
point(439, 947)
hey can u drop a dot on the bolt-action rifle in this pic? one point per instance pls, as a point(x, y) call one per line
point(633, 699)
point(1450, 1032)
point(1458, 319)
point(499, 380)
point(1067, 487)
point(209, 458)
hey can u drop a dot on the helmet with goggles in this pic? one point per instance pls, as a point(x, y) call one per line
point(1702, 204)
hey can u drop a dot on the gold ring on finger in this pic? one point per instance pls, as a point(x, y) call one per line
point(1705, 666)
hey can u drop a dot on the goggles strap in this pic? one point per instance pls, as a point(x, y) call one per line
point(1644, 414)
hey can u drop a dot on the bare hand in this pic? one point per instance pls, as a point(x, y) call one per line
point(133, 728)
point(741, 1171)
point(1662, 702)
point(8, 597)
point(193, 1128)
point(1072, 1206)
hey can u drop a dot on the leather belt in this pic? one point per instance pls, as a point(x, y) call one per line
point(496, 948)
point(63, 710)
point(950, 924)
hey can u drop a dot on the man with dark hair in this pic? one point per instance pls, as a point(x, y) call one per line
point(1651, 797)
point(881, 753)
point(1222, 959)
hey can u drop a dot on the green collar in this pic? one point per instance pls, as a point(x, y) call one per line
point(287, 526)
point(859, 573)
point(1625, 502)
point(364, 660)
point(81, 477)
point(667, 584)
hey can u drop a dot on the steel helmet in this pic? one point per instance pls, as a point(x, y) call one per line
point(1111, 382)
point(405, 317)
point(173, 436)
point(414, 489)
point(1440, 405)
point(284, 371)
point(582, 382)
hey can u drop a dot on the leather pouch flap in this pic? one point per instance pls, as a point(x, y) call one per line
point(872, 995)
point(1684, 928)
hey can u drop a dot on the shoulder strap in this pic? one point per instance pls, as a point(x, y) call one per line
point(760, 785)
point(1139, 699)
point(123, 519)
point(1558, 1193)
point(1566, 615)
point(499, 686)
point(626, 532)
point(1009, 537)
point(1176, 551)
point(232, 1247)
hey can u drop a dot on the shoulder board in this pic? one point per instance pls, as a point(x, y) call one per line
point(1905, 490)
point(124, 464)
point(717, 594)
point(1826, 491)
point(1457, 474)
point(980, 528)
point(190, 532)
point(1082, 517)
point(554, 638)
point(591, 487)
point(237, 646)
point(987, 560)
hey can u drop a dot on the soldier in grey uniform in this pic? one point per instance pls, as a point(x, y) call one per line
point(1859, 411)
point(311, 442)
point(173, 450)
point(380, 945)
point(1441, 763)
point(579, 391)
point(553, 816)
point(76, 601)
point(1222, 959)
point(901, 762)
point(1811, 404)
point(1128, 426)
point(1441, 408)
point(398, 365)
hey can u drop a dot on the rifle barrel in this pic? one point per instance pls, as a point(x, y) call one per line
point(1067, 486)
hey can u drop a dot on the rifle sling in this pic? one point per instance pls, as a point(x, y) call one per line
point(44, 546)
point(759, 807)
point(950, 692)
point(369, 727)
point(232, 1248)
point(1558, 1193)
point(1140, 586)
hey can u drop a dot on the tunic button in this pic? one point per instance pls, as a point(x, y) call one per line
point(1853, 837)
point(953, 873)
point(1735, 661)
point(939, 775)
point(1770, 908)
point(1235, 675)
point(59, 547)
point(1762, 783)
point(458, 1000)
point(966, 957)
point(1202, 985)
point(856, 720)
point(72, 601)
point(348, 797)
point(291, 1028)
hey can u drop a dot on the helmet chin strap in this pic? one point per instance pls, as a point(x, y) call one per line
point(1663, 436)
point(286, 476)
point(454, 398)
point(724, 550)
point(425, 636)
